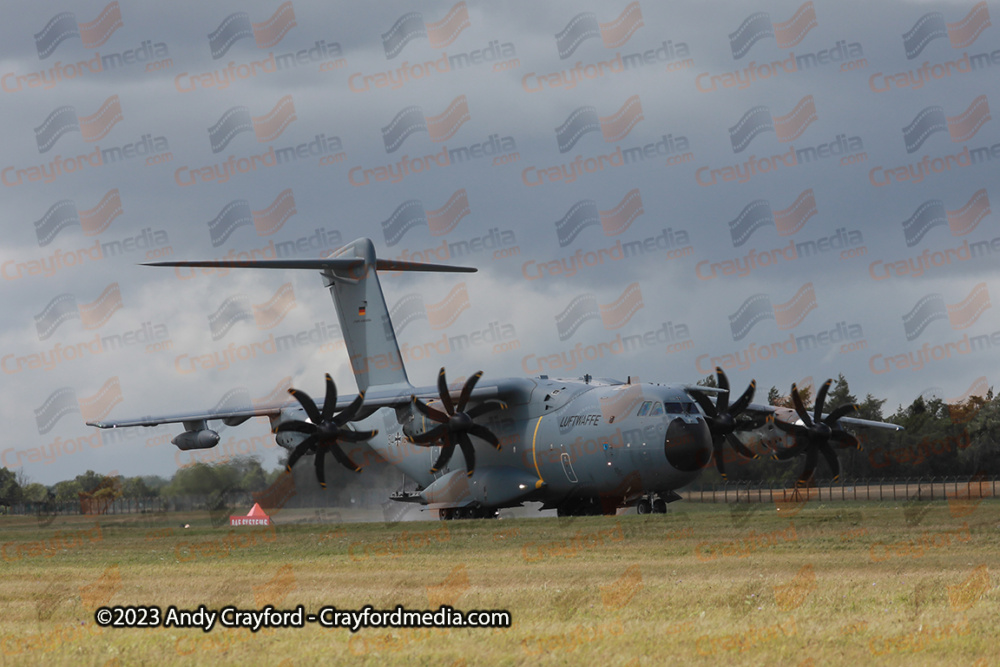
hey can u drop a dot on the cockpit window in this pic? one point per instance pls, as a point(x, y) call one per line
point(674, 408)
point(644, 409)
point(690, 408)
point(657, 410)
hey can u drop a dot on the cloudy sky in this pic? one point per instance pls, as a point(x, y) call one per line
point(789, 190)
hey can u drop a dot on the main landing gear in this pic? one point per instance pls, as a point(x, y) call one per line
point(447, 514)
point(655, 505)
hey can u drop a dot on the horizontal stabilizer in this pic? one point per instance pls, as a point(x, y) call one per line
point(398, 265)
point(329, 264)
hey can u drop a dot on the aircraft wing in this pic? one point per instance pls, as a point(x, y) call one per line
point(714, 391)
point(854, 421)
point(230, 417)
point(382, 397)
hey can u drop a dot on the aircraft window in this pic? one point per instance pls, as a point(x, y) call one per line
point(674, 408)
point(690, 409)
point(657, 410)
point(644, 408)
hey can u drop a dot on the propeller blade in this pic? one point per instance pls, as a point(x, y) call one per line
point(296, 426)
point(831, 459)
point(330, 400)
point(807, 472)
point(356, 436)
point(486, 434)
point(470, 384)
point(449, 407)
point(446, 452)
point(343, 458)
point(299, 451)
point(351, 411)
point(751, 423)
point(486, 408)
point(821, 400)
point(791, 429)
point(743, 401)
point(430, 436)
point(717, 452)
point(320, 470)
point(702, 400)
point(842, 411)
point(845, 440)
point(469, 451)
point(429, 412)
point(307, 404)
point(799, 407)
point(722, 400)
point(791, 452)
point(740, 448)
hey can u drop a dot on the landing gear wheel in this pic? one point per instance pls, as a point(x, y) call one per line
point(643, 506)
point(446, 514)
point(659, 506)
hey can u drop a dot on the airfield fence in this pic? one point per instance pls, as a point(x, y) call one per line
point(909, 489)
point(933, 488)
point(137, 505)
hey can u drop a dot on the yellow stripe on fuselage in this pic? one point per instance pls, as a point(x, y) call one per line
point(534, 457)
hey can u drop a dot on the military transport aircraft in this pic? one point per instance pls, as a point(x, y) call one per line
point(583, 446)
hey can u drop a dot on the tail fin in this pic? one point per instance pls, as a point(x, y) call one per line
point(351, 275)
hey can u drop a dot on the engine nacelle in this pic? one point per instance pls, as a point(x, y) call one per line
point(202, 439)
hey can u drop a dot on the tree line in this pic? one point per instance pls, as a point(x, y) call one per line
point(199, 479)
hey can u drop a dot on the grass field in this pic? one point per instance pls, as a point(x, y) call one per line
point(834, 583)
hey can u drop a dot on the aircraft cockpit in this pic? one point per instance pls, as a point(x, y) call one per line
point(658, 409)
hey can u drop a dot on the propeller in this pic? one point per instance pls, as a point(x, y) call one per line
point(817, 435)
point(722, 418)
point(455, 425)
point(325, 429)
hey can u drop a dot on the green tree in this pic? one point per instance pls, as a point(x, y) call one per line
point(195, 480)
point(90, 481)
point(840, 394)
point(10, 488)
point(871, 408)
point(155, 483)
point(980, 453)
point(135, 487)
point(35, 493)
point(273, 476)
point(774, 396)
point(67, 491)
point(777, 398)
point(254, 478)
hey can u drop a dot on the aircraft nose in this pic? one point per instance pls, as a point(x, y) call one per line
point(688, 445)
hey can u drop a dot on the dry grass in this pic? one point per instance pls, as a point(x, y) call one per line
point(839, 583)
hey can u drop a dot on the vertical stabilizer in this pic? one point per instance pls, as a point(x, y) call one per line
point(364, 319)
